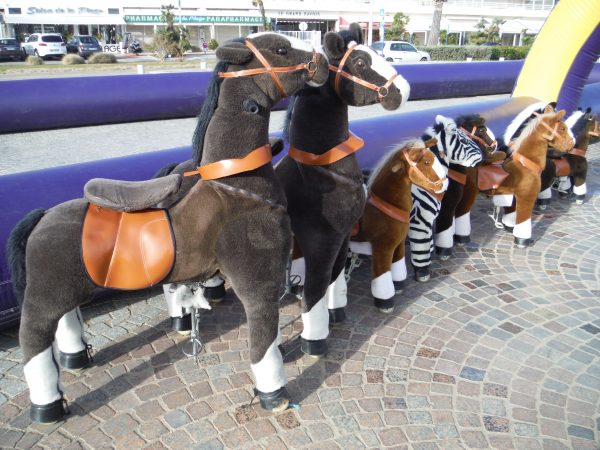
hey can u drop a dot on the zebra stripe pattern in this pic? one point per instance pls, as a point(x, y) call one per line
point(453, 146)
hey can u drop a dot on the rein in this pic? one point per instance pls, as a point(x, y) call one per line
point(455, 175)
point(527, 163)
point(387, 208)
point(577, 152)
point(340, 151)
point(310, 66)
point(382, 91)
point(226, 167)
point(476, 138)
point(553, 131)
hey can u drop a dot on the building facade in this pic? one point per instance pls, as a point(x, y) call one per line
point(222, 20)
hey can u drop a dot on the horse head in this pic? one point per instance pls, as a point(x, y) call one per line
point(455, 145)
point(474, 126)
point(554, 130)
point(359, 75)
point(280, 65)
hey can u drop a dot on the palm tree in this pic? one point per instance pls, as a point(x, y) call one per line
point(261, 7)
point(434, 34)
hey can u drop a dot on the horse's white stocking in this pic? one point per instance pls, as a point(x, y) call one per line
point(173, 293)
point(41, 374)
point(298, 271)
point(509, 219)
point(564, 184)
point(337, 292)
point(382, 287)
point(268, 372)
point(398, 271)
point(316, 321)
point(362, 248)
point(462, 225)
point(445, 239)
point(502, 200)
point(580, 190)
point(522, 230)
point(545, 194)
point(69, 333)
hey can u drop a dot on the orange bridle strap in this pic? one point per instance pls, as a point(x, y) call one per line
point(434, 185)
point(310, 66)
point(226, 167)
point(387, 208)
point(577, 152)
point(382, 91)
point(460, 178)
point(553, 131)
point(340, 151)
point(474, 137)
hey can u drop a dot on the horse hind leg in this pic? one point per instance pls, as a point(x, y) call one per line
point(337, 292)
point(74, 351)
point(382, 284)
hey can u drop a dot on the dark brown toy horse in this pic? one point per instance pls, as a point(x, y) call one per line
point(320, 175)
point(233, 220)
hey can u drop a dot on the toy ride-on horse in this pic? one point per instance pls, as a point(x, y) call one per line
point(454, 146)
point(383, 227)
point(233, 220)
point(321, 177)
point(567, 173)
point(516, 182)
point(453, 223)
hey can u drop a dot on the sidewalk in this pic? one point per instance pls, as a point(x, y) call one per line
point(501, 349)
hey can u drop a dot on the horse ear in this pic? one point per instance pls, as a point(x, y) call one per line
point(560, 114)
point(356, 31)
point(587, 110)
point(549, 107)
point(234, 53)
point(334, 46)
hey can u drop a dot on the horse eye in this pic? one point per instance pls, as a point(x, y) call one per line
point(282, 51)
point(360, 63)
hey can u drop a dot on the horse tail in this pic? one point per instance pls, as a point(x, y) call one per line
point(15, 250)
point(164, 171)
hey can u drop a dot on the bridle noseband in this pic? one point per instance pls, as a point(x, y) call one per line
point(435, 185)
point(474, 137)
point(310, 66)
point(553, 131)
point(382, 91)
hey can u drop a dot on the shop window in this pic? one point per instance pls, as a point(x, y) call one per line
point(14, 10)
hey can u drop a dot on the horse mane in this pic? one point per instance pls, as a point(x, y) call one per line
point(526, 132)
point(383, 162)
point(575, 122)
point(429, 133)
point(520, 121)
point(468, 118)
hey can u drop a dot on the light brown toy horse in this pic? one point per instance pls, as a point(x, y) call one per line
point(383, 227)
point(519, 175)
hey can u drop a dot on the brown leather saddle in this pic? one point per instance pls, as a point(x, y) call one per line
point(126, 245)
point(563, 167)
point(490, 176)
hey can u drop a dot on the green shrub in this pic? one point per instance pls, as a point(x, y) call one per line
point(102, 58)
point(72, 59)
point(477, 52)
point(213, 44)
point(34, 60)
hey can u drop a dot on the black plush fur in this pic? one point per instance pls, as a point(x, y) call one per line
point(15, 251)
point(164, 171)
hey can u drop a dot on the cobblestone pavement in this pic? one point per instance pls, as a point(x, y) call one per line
point(501, 349)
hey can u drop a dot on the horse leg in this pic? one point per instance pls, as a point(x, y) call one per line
point(547, 178)
point(421, 247)
point(462, 221)
point(444, 224)
point(297, 269)
point(382, 283)
point(399, 273)
point(524, 209)
point(579, 174)
point(507, 202)
point(337, 292)
point(73, 349)
point(253, 255)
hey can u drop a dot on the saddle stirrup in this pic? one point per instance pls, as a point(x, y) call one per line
point(355, 263)
point(495, 215)
point(195, 344)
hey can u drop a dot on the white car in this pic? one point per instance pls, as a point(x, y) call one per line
point(400, 51)
point(44, 45)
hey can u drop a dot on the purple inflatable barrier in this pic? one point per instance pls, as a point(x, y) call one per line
point(83, 101)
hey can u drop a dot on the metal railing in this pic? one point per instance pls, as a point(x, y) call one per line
point(540, 5)
point(310, 37)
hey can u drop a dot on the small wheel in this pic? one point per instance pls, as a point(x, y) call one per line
point(423, 59)
point(389, 59)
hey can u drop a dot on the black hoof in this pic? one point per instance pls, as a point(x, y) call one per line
point(52, 412)
point(384, 305)
point(508, 229)
point(215, 294)
point(182, 323)
point(461, 240)
point(399, 285)
point(77, 360)
point(313, 348)
point(579, 199)
point(522, 242)
point(443, 252)
point(422, 274)
point(337, 315)
point(276, 401)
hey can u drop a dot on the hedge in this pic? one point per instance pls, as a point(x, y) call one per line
point(477, 52)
